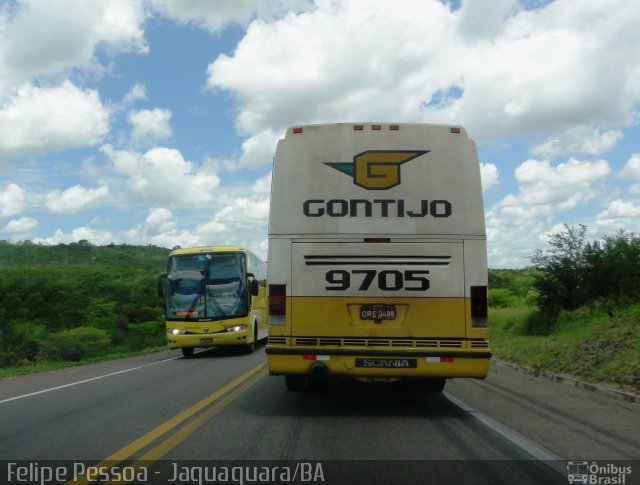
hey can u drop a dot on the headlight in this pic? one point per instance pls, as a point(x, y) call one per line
point(176, 331)
point(236, 328)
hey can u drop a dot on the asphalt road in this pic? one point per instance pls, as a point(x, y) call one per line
point(184, 420)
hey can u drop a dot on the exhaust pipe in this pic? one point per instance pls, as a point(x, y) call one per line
point(319, 369)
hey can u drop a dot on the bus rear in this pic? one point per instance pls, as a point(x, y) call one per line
point(377, 255)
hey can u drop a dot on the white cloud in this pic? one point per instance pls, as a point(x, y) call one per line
point(490, 175)
point(99, 237)
point(237, 219)
point(480, 19)
point(215, 16)
point(150, 126)
point(212, 229)
point(551, 68)
point(220, 165)
point(513, 234)
point(632, 168)
point(160, 228)
point(499, 72)
point(242, 222)
point(137, 92)
point(37, 120)
point(19, 228)
point(366, 69)
point(262, 186)
point(259, 149)
point(620, 215)
point(581, 140)
point(159, 221)
point(518, 224)
point(45, 38)
point(621, 209)
point(161, 176)
point(564, 186)
point(75, 199)
point(13, 200)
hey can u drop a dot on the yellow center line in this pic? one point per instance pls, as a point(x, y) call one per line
point(183, 433)
point(146, 439)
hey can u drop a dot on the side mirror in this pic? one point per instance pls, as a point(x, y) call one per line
point(160, 285)
point(255, 287)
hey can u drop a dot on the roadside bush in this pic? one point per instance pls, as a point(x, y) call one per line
point(502, 298)
point(145, 335)
point(21, 341)
point(76, 344)
point(573, 273)
point(8, 359)
point(539, 323)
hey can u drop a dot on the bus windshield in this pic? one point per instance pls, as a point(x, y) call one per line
point(206, 286)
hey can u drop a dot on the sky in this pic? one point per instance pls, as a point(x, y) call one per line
point(154, 122)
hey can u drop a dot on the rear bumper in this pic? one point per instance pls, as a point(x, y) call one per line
point(378, 363)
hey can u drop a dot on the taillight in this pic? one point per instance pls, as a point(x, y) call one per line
point(479, 306)
point(277, 304)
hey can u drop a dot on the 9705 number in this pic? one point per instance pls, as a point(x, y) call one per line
point(387, 280)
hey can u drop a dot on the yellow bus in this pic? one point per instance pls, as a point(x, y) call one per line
point(377, 255)
point(214, 296)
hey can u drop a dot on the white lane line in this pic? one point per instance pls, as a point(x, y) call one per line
point(549, 459)
point(85, 380)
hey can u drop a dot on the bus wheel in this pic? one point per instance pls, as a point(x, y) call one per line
point(249, 348)
point(434, 384)
point(294, 382)
point(187, 351)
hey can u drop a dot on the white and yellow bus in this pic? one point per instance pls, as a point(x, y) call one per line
point(377, 255)
point(214, 296)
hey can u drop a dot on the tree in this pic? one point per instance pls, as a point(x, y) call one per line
point(560, 278)
point(614, 268)
point(563, 268)
point(573, 273)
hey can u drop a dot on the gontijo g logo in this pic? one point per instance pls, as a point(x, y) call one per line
point(377, 169)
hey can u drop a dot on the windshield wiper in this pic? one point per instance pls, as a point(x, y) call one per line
point(218, 307)
point(193, 304)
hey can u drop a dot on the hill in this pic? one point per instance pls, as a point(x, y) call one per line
point(74, 294)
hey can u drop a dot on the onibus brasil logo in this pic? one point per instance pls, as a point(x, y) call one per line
point(377, 169)
point(596, 473)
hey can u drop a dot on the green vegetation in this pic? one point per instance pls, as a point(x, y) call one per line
point(74, 302)
point(576, 312)
point(587, 343)
point(574, 273)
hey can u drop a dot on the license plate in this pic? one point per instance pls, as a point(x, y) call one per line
point(378, 312)
point(376, 363)
point(206, 340)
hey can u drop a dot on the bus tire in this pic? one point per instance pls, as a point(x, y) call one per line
point(250, 347)
point(434, 384)
point(294, 382)
point(187, 351)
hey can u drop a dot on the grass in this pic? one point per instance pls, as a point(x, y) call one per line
point(33, 367)
point(588, 343)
